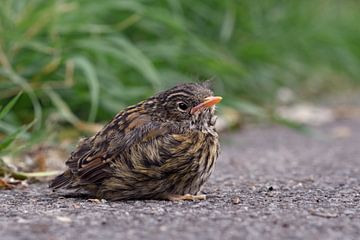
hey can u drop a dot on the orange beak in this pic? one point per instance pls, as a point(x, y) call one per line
point(208, 102)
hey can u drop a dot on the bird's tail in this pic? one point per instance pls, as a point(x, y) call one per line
point(62, 180)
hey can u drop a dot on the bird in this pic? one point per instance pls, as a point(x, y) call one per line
point(164, 147)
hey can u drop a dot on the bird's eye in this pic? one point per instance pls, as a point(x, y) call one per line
point(182, 106)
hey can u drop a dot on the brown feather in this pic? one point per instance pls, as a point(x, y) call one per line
point(150, 150)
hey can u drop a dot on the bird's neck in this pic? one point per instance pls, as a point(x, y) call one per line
point(204, 122)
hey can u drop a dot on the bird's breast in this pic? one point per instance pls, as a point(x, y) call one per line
point(195, 160)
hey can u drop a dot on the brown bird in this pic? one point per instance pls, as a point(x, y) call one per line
point(162, 148)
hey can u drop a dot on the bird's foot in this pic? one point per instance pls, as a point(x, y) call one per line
point(186, 197)
point(96, 200)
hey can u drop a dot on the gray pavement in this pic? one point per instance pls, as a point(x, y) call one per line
point(269, 183)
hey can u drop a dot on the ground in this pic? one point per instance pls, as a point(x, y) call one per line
point(270, 183)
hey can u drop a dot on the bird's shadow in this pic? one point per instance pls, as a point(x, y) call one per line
point(72, 194)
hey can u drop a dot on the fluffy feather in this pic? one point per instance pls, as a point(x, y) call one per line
point(150, 150)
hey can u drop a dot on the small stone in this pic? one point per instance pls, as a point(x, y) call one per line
point(349, 212)
point(321, 213)
point(64, 219)
point(271, 194)
point(235, 200)
point(77, 206)
point(22, 220)
point(285, 225)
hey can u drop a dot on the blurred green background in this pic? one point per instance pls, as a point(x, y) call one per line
point(84, 60)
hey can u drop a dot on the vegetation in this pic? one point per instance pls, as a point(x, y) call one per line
point(5, 143)
point(82, 61)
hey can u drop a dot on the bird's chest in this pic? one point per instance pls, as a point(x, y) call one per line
point(207, 157)
point(177, 163)
point(200, 158)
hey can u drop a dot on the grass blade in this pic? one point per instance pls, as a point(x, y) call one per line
point(9, 106)
point(61, 105)
point(10, 138)
point(91, 77)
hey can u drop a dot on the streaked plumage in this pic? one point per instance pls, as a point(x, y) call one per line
point(157, 149)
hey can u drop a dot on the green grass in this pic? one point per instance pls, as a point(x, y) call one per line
point(84, 60)
point(11, 137)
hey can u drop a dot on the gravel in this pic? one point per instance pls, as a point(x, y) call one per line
point(270, 183)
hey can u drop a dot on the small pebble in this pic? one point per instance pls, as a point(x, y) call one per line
point(64, 219)
point(163, 228)
point(349, 212)
point(235, 200)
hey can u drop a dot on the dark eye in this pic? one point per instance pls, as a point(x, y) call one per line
point(182, 106)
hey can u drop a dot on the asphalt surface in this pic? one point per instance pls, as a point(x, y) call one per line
point(269, 183)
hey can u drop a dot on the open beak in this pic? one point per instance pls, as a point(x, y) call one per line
point(208, 102)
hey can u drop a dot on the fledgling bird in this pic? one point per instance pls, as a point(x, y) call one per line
point(162, 148)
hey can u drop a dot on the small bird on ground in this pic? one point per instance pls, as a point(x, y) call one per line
point(162, 148)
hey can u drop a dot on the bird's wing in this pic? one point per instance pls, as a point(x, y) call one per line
point(90, 162)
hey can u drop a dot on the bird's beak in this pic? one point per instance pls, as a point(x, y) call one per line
point(208, 102)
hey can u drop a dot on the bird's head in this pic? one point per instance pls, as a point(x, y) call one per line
point(192, 103)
